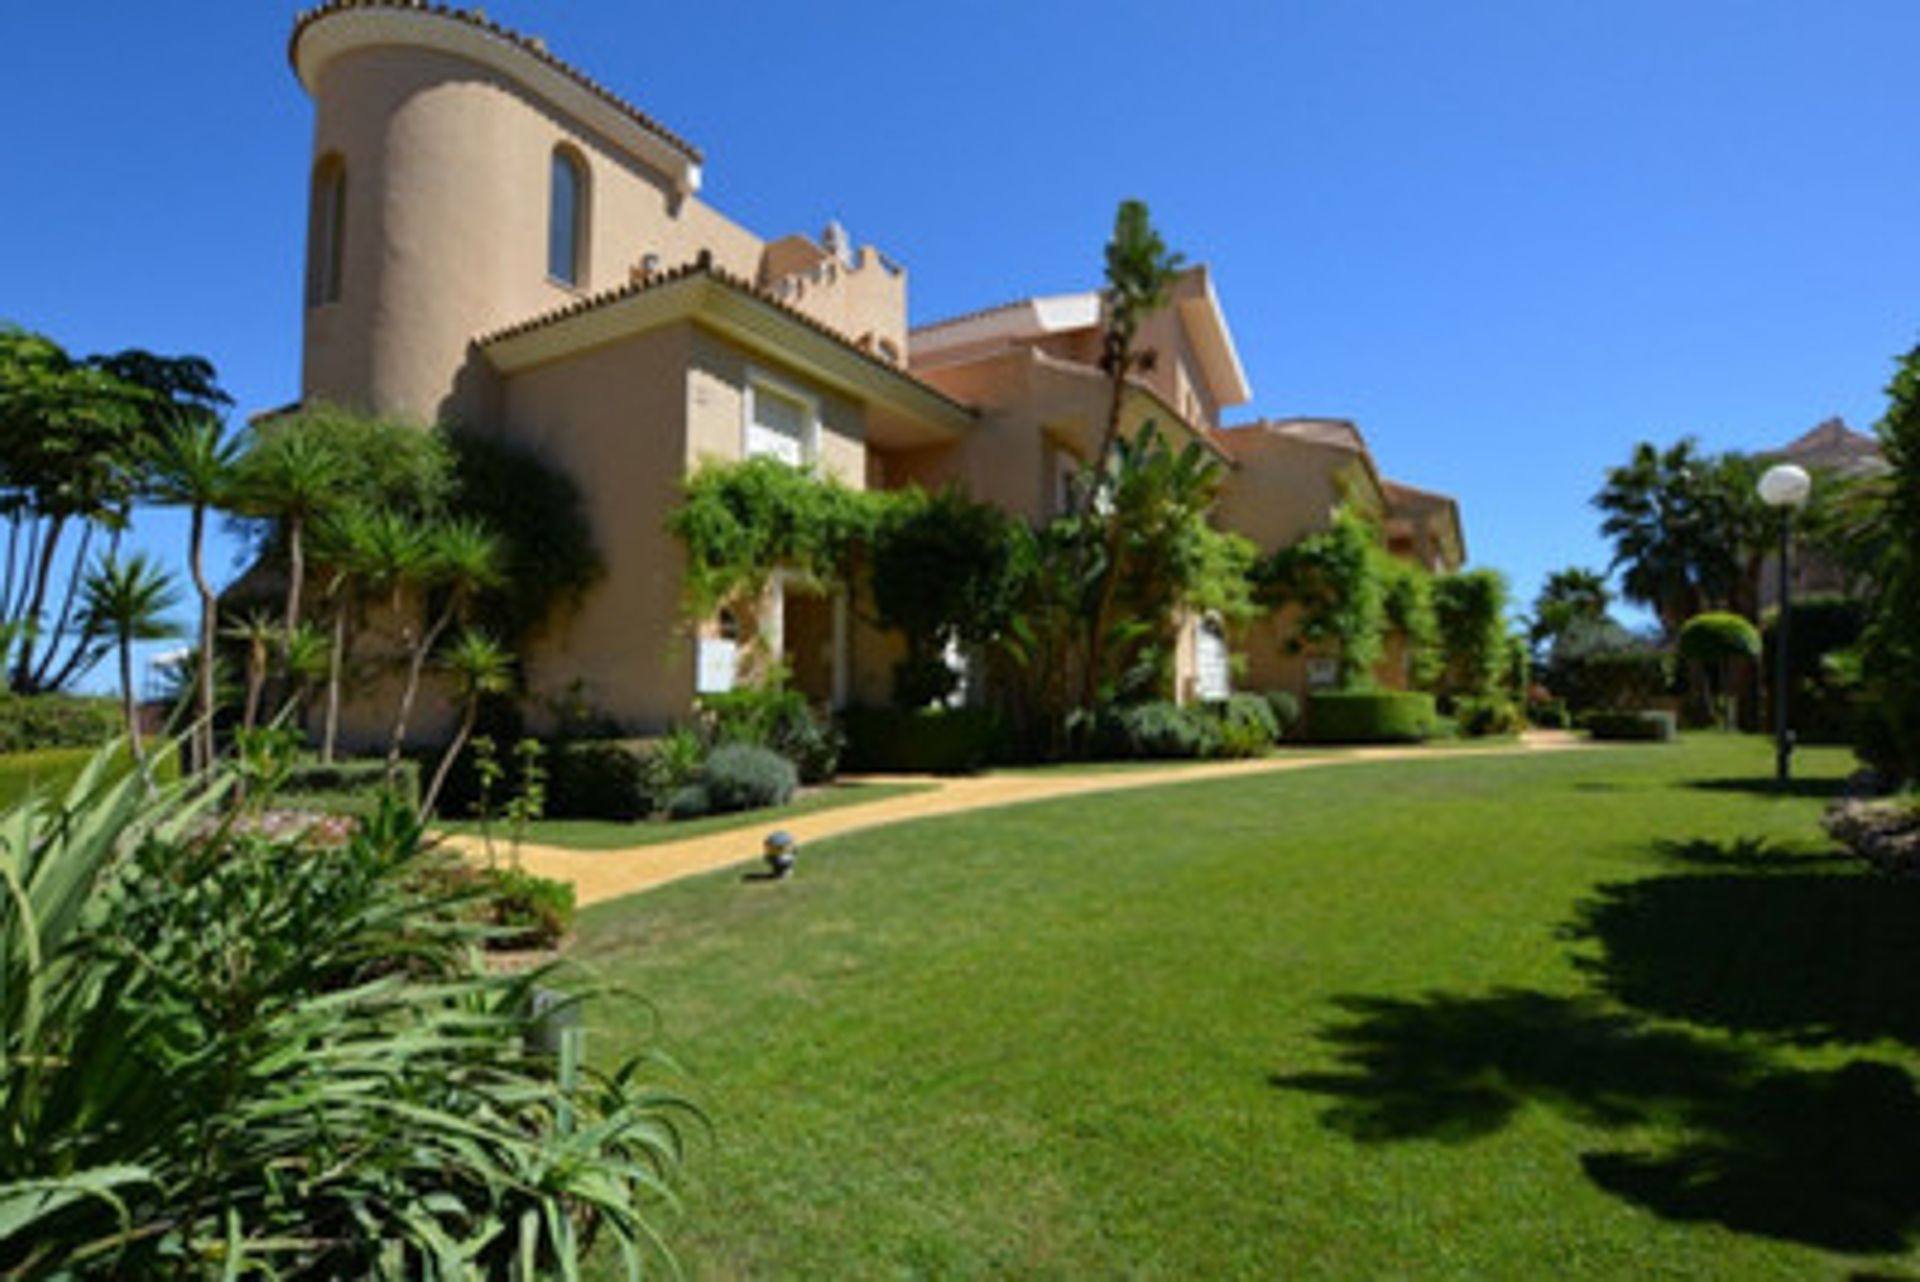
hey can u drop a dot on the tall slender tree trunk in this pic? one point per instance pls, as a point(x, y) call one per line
point(452, 754)
point(256, 682)
point(416, 664)
point(23, 669)
point(296, 574)
point(336, 661)
point(46, 678)
point(203, 731)
point(130, 704)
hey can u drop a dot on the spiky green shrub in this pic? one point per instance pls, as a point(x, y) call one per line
point(224, 1053)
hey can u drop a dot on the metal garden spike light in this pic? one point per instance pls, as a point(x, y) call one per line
point(1784, 488)
point(781, 850)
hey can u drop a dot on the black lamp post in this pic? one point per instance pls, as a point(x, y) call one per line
point(1784, 488)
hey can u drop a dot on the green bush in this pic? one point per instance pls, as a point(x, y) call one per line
point(523, 910)
point(923, 740)
point(1160, 730)
point(690, 801)
point(1493, 715)
point(30, 722)
point(740, 776)
point(1638, 726)
point(349, 787)
point(1370, 716)
point(777, 718)
point(1286, 711)
point(598, 779)
point(1248, 726)
point(1549, 714)
point(187, 1021)
point(670, 763)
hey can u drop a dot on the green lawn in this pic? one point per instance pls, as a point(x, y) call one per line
point(1609, 1014)
point(595, 834)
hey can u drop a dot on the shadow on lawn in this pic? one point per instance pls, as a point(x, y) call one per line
point(1766, 786)
point(1793, 952)
point(1822, 1157)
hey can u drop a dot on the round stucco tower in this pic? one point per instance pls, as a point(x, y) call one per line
point(439, 139)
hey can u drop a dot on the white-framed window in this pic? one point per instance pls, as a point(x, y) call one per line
point(327, 231)
point(1063, 467)
point(779, 421)
point(1212, 660)
point(567, 199)
point(718, 656)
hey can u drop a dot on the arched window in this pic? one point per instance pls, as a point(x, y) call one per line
point(326, 231)
point(567, 218)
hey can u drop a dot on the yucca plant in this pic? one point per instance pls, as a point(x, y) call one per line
point(227, 1054)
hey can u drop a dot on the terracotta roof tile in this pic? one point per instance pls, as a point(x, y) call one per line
point(704, 266)
point(527, 44)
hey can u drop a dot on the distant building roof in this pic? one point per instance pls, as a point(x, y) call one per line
point(1831, 444)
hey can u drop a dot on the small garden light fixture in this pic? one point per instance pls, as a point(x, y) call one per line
point(781, 851)
point(1784, 488)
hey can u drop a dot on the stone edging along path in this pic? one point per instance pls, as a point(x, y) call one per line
point(600, 875)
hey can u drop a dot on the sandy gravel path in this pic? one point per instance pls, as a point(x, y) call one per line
point(599, 875)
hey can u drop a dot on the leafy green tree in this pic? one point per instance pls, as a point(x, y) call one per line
point(71, 438)
point(1333, 579)
point(942, 570)
point(479, 667)
point(1568, 594)
point(1689, 531)
point(1407, 602)
point(193, 466)
point(1471, 608)
point(1141, 271)
point(1891, 645)
point(1713, 642)
point(128, 601)
point(257, 634)
point(457, 561)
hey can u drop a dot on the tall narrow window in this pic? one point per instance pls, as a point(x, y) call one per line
point(326, 231)
point(567, 218)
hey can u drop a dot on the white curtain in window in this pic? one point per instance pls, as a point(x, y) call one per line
point(778, 428)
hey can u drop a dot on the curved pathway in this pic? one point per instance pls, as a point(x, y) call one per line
point(599, 875)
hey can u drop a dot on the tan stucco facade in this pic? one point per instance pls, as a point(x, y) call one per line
point(444, 134)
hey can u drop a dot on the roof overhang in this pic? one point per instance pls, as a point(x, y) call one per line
point(754, 323)
point(1206, 325)
point(328, 34)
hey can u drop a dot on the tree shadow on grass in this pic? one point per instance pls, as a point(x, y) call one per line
point(1766, 786)
point(1801, 955)
point(1749, 854)
point(1820, 1157)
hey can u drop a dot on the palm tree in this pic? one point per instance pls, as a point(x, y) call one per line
point(479, 666)
point(292, 476)
point(256, 631)
point(194, 467)
point(460, 559)
point(307, 659)
point(128, 601)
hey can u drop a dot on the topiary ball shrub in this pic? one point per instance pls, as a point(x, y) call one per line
point(1642, 726)
point(1286, 711)
point(1160, 730)
point(1370, 716)
point(740, 776)
point(1247, 724)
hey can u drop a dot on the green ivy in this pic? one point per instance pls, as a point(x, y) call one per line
point(1334, 578)
point(743, 522)
point(1471, 609)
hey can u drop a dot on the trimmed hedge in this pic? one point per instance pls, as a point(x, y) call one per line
point(598, 779)
point(1370, 716)
point(32, 722)
point(921, 740)
point(1638, 726)
point(352, 787)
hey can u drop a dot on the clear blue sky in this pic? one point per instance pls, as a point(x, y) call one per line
point(1509, 238)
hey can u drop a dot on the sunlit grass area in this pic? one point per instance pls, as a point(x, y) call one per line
point(1619, 1013)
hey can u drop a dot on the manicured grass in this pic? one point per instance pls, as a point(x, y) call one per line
point(593, 834)
point(51, 771)
point(1618, 1013)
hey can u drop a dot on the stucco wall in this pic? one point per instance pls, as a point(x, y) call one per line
point(448, 169)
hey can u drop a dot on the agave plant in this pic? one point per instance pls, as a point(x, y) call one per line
point(227, 1053)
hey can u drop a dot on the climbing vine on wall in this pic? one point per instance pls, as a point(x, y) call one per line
point(742, 523)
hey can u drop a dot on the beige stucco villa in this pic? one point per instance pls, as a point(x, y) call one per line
point(498, 241)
